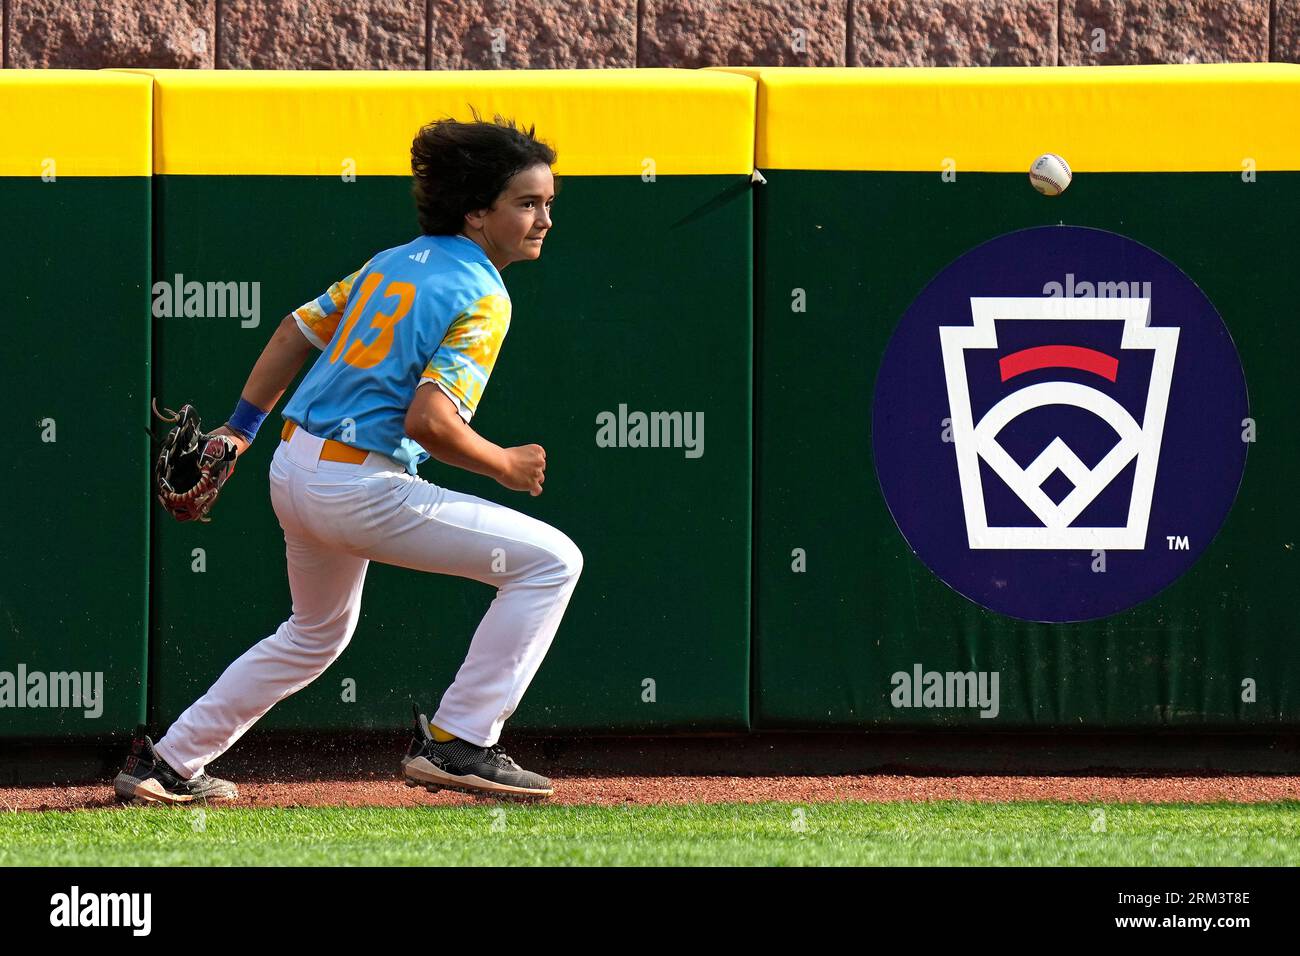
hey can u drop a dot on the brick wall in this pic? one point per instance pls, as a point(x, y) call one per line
point(547, 34)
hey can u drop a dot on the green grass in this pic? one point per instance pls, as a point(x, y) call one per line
point(921, 834)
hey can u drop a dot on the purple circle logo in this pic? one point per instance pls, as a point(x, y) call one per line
point(1060, 424)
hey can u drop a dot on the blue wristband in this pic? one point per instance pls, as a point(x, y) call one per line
point(246, 419)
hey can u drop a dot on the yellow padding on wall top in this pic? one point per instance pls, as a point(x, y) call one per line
point(314, 123)
point(1206, 117)
point(60, 123)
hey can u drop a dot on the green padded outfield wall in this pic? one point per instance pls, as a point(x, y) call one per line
point(878, 183)
point(642, 300)
point(74, 374)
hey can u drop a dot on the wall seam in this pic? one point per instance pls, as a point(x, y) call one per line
point(848, 35)
point(428, 35)
point(1060, 16)
point(752, 671)
point(216, 34)
point(155, 337)
point(4, 40)
point(636, 33)
point(1271, 53)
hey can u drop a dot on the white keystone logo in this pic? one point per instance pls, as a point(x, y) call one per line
point(974, 441)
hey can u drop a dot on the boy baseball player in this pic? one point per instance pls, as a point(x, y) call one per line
point(407, 344)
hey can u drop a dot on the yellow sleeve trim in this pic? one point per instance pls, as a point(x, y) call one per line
point(308, 333)
point(318, 325)
point(464, 360)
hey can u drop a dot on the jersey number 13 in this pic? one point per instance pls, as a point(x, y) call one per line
point(362, 355)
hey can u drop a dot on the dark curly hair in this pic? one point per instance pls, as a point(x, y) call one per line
point(460, 167)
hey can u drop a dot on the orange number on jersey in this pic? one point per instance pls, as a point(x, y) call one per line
point(363, 296)
point(368, 356)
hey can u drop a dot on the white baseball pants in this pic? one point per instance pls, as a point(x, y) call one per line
point(339, 517)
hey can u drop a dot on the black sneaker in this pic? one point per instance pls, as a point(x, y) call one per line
point(147, 778)
point(463, 766)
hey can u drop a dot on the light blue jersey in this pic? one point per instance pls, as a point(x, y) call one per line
point(433, 311)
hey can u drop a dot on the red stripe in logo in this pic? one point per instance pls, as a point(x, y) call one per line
point(1058, 356)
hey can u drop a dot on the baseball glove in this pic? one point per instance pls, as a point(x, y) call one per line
point(192, 465)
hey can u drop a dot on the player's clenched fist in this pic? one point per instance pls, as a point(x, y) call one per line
point(525, 469)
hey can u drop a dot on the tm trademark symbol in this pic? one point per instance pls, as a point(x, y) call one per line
point(1177, 542)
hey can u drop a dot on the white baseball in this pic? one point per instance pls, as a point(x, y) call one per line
point(1050, 174)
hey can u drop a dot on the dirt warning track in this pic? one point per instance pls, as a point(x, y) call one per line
point(608, 790)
